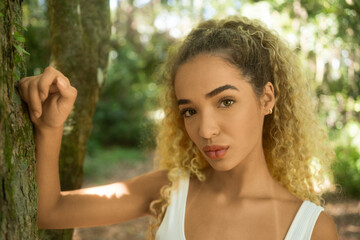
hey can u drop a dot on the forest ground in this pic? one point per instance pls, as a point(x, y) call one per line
point(345, 211)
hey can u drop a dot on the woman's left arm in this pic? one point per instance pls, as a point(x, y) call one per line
point(325, 228)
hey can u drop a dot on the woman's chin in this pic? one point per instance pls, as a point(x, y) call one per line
point(220, 165)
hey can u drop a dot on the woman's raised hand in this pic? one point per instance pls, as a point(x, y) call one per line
point(49, 96)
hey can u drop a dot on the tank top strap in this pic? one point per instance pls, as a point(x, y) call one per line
point(172, 226)
point(303, 224)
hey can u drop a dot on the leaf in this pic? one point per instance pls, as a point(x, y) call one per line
point(21, 26)
point(18, 37)
point(16, 76)
point(17, 73)
point(21, 50)
point(1, 15)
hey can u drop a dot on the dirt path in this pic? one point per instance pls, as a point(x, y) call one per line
point(346, 213)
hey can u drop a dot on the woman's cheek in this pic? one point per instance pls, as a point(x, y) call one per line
point(191, 130)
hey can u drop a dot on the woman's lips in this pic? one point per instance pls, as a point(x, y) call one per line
point(215, 151)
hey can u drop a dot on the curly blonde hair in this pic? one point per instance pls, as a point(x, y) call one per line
point(294, 142)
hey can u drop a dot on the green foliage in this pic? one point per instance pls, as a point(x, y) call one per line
point(19, 37)
point(129, 93)
point(102, 163)
point(20, 49)
point(18, 42)
point(37, 36)
point(347, 170)
point(40, 48)
point(332, 44)
point(120, 117)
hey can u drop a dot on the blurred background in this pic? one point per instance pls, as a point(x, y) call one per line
point(325, 34)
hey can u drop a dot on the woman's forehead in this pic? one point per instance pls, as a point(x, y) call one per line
point(205, 73)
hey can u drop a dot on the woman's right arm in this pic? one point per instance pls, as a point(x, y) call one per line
point(50, 98)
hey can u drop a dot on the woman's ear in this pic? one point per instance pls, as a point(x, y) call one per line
point(267, 99)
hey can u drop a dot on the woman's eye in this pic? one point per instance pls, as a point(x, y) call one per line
point(227, 103)
point(188, 112)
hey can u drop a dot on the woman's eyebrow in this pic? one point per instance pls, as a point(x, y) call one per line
point(210, 94)
point(219, 90)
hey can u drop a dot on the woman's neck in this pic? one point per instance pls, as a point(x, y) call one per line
point(250, 179)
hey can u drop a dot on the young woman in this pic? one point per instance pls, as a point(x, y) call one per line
point(235, 147)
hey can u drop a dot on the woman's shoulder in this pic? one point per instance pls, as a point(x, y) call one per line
point(325, 228)
point(150, 183)
point(158, 175)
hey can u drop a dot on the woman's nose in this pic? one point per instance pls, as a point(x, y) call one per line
point(208, 126)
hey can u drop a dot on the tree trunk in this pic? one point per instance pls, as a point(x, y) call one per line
point(80, 34)
point(18, 195)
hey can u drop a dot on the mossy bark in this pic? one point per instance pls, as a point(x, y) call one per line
point(80, 34)
point(18, 195)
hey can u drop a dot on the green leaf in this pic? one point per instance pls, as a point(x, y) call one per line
point(1, 15)
point(16, 76)
point(21, 26)
point(19, 37)
point(17, 73)
point(21, 50)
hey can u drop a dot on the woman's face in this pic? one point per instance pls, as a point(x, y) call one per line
point(221, 113)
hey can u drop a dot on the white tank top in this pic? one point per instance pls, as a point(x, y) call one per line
point(172, 226)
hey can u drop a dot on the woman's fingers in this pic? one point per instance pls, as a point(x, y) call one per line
point(67, 92)
point(47, 82)
point(49, 96)
point(34, 99)
point(23, 89)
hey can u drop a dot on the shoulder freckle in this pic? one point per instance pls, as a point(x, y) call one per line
point(324, 228)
